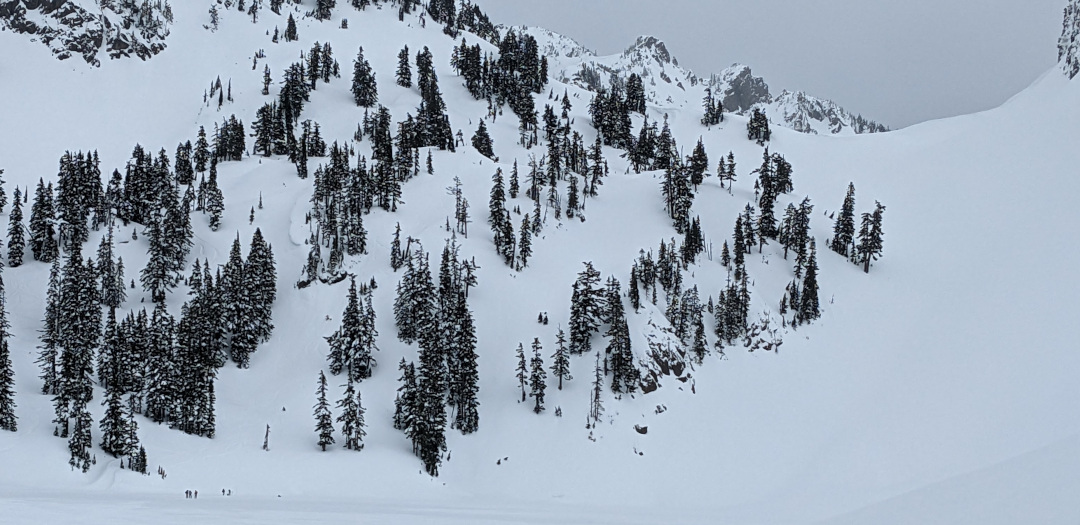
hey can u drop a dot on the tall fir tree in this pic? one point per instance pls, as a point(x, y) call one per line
point(352, 418)
point(843, 241)
point(364, 89)
point(324, 420)
point(870, 237)
point(560, 360)
point(16, 231)
point(8, 420)
point(404, 69)
point(42, 218)
point(537, 377)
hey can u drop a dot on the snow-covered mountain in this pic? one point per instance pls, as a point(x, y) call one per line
point(667, 84)
point(92, 29)
point(936, 388)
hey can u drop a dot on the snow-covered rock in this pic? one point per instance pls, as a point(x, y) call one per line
point(667, 84)
point(1069, 43)
point(90, 29)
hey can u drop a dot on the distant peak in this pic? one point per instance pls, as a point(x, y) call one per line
point(653, 45)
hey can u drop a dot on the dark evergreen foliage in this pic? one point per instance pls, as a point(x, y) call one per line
point(585, 309)
point(843, 241)
point(537, 377)
point(16, 231)
point(324, 420)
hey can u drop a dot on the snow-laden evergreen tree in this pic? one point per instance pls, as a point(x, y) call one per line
point(596, 401)
point(414, 308)
point(42, 218)
point(114, 424)
point(482, 141)
point(585, 309)
point(215, 200)
point(352, 344)
point(352, 418)
point(870, 241)
point(698, 164)
point(48, 357)
point(8, 420)
point(843, 241)
point(808, 307)
point(260, 280)
point(560, 360)
point(404, 69)
point(113, 289)
point(162, 374)
point(757, 128)
point(522, 371)
point(158, 277)
point(364, 89)
point(81, 440)
point(524, 243)
point(537, 377)
point(407, 403)
point(16, 231)
point(324, 9)
point(635, 94)
point(324, 420)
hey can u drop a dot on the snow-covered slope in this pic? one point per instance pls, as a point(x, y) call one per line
point(947, 372)
point(667, 84)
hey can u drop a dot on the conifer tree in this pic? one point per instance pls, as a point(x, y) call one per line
point(202, 151)
point(351, 345)
point(42, 217)
point(8, 420)
point(844, 230)
point(352, 418)
point(50, 335)
point(365, 91)
point(404, 69)
point(522, 370)
point(114, 431)
point(870, 233)
point(596, 402)
point(482, 141)
point(537, 377)
point(524, 244)
point(585, 309)
point(16, 231)
point(324, 420)
point(560, 360)
point(808, 306)
point(81, 440)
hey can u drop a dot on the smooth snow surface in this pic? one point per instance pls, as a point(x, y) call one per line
point(940, 388)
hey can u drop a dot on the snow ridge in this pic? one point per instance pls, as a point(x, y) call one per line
point(667, 84)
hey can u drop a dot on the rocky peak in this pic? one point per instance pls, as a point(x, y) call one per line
point(652, 48)
point(739, 90)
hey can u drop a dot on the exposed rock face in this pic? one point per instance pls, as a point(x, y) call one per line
point(1069, 43)
point(669, 85)
point(92, 28)
point(739, 90)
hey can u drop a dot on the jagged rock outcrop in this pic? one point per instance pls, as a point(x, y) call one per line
point(92, 28)
point(1069, 43)
point(667, 84)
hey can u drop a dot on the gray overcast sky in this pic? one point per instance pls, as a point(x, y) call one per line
point(897, 62)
